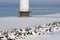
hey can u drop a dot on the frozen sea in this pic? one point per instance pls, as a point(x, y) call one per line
point(41, 16)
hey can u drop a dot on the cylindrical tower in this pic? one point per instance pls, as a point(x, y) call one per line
point(24, 8)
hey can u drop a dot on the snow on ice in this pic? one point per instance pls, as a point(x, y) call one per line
point(29, 28)
point(42, 32)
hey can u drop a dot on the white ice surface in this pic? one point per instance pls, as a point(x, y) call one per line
point(7, 23)
point(54, 36)
point(18, 22)
point(56, 15)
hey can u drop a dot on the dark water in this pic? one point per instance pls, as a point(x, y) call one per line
point(11, 10)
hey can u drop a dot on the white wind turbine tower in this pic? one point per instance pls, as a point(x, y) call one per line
point(24, 8)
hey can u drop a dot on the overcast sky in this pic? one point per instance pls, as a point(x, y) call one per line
point(34, 2)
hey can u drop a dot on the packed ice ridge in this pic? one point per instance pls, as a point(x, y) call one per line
point(18, 34)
